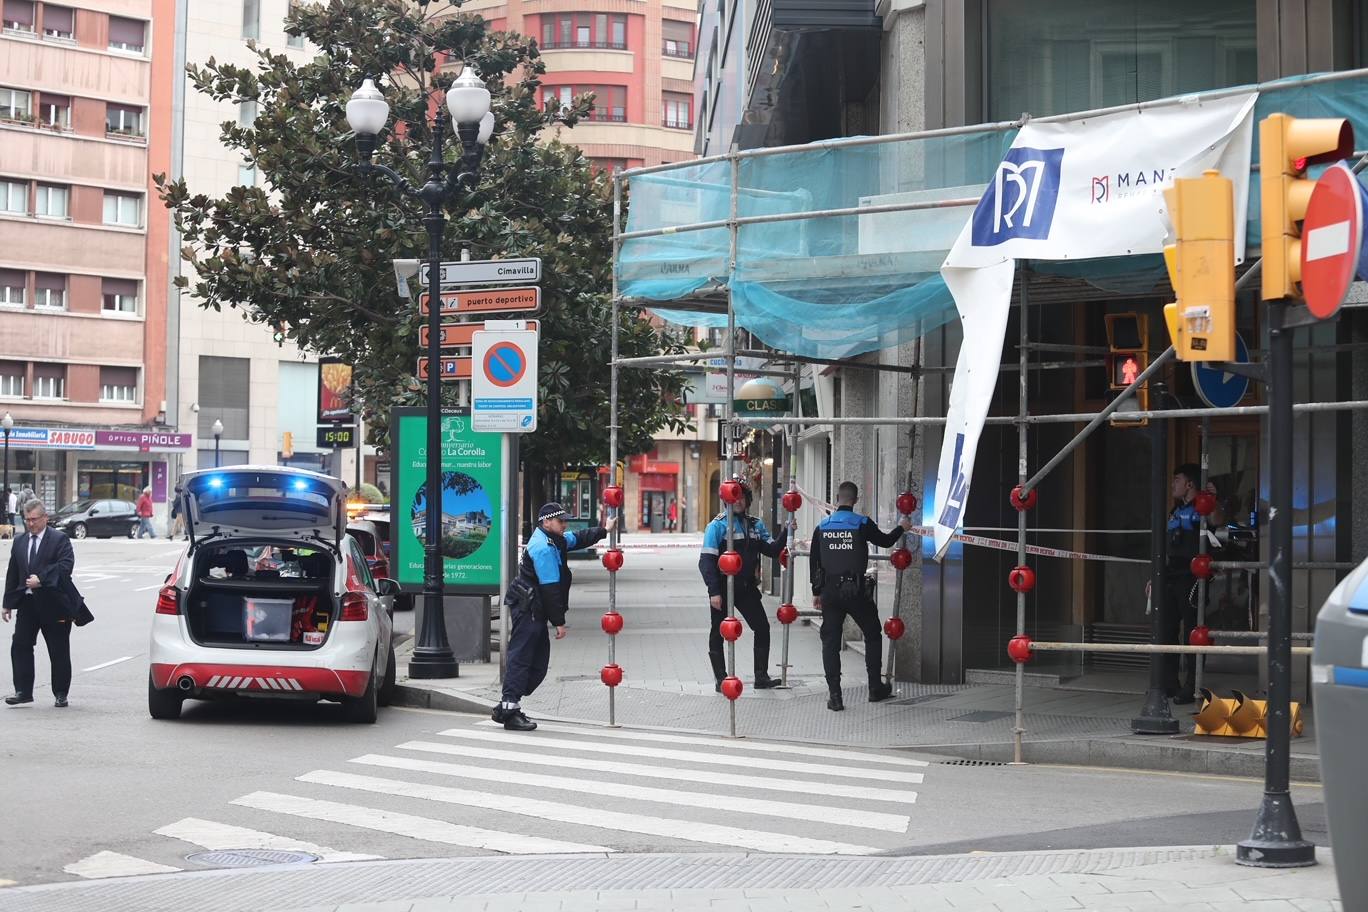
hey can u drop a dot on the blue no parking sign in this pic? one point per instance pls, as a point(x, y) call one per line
point(503, 385)
point(1218, 387)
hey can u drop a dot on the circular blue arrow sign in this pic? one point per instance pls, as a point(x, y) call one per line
point(1220, 388)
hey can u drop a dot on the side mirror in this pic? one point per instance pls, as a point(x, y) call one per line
point(386, 587)
point(94, 511)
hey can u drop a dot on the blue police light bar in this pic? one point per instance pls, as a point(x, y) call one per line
point(301, 485)
point(216, 482)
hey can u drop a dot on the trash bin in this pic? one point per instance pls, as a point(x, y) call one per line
point(1339, 683)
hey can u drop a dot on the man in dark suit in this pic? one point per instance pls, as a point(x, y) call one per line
point(38, 586)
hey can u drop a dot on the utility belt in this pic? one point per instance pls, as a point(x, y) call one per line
point(851, 587)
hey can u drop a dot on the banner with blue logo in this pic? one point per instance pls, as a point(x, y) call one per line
point(1070, 190)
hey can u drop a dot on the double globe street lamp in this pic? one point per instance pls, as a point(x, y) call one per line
point(467, 105)
point(7, 424)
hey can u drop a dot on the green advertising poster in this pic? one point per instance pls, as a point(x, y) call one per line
point(474, 467)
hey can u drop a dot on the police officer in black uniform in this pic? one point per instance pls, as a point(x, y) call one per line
point(837, 564)
point(1180, 586)
point(750, 539)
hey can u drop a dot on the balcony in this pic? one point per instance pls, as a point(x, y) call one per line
point(677, 49)
point(675, 123)
point(583, 45)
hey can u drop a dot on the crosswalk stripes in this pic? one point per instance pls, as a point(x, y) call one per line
point(115, 864)
point(215, 837)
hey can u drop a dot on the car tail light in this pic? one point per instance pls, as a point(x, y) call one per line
point(355, 606)
point(168, 600)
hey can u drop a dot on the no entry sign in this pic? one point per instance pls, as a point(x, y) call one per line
point(503, 389)
point(1332, 240)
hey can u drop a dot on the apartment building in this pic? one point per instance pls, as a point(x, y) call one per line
point(85, 120)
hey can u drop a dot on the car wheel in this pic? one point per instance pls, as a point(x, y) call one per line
point(387, 689)
point(163, 704)
point(364, 709)
point(78, 530)
point(133, 530)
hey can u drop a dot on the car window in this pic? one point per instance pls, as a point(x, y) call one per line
point(123, 506)
point(104, 506)
point(359, 566)
point(364, 539)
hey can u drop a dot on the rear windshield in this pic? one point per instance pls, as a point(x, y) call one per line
point(240, 561)
point(235, 492)
point(364, 539)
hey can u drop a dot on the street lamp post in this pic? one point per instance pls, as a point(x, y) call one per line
point(467, 104)
point(7, 423)
point(218, 432)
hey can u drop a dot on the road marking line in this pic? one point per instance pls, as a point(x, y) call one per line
point(112, 864)
point(147, 588)
point(218, 837)
point(8, 883)
point(627, 750)
point(719, 744)
point(759, 780)
point(107, 664)
point(870, 820)
point(422, 828)
point(689, 830)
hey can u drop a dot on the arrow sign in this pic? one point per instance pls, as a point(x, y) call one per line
point(458, 335)
point(485, 272)
point(486, 300)
point(1217, 387)
point(452, 369)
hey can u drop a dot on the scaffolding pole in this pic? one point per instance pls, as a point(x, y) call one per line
point(729, 411)
point(1200, 661)
point(1023, 354)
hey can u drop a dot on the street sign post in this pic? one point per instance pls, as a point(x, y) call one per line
point(330, 436)
point(1332, 240)
point(452, 369)
point(486, 300)
point(1220, 388)
point(485, 272)
point(459, 335)
point(503, 388)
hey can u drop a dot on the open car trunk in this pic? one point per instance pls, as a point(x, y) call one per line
point(261, 595)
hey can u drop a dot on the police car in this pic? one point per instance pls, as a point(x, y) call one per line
point(271, 598)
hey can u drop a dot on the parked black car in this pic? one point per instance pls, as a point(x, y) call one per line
point(97, 519)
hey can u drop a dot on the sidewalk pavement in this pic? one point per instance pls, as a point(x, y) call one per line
point(1171, 879)
point(667, 683)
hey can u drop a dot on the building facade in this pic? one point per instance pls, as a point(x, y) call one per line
point(85, 120)
point(635, 56)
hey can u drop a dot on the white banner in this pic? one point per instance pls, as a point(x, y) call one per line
point(1070, 191)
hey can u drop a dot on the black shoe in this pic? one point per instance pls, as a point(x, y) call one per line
point(60, 702)
point(499, 714)
point(515, 721)
point(16, 699)
point(1184, 698)
point(718, 686)
point(835, 703)
point(879, 692)
point(765, 682)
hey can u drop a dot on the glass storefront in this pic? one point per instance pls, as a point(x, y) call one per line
point(112, 479)
point(41, 471)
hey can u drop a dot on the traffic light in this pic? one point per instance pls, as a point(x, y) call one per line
point(1201, 266)
point(1287, 146)
point(1127, 357)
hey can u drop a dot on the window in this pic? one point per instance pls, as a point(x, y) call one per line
point(119, 296)
point(118, 384)
point(51, 201)
point(12, 286)
point(59, 22)
point(678, 111)
point(51, 290)
point(123, 120)
point(294, 41)
point(54, 111)
point(16, 104)
point(49, 381)
point(584, 30)
point(224, 394)
point(127, 35)
point(11, 379)
point(678, 37)
point(247, 175)
point(610, 102)
point(247, 113)
point(14, 197)
point(123, 209)
point(19, 16)
point(251, 18)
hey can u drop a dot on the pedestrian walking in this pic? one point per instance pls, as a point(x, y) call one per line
point(11, 507)
point(144, 510)
point(1179, 613)
point(837, 564)
point(539, 596)
point(38, 587)
point(176, 525)
point(751, 540)
point(672, 514)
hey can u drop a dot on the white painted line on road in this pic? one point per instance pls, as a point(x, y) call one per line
point(112, 864)
point(605, 746)
point(801, 750)
point(107, 664)
point(146, 588)
point(689, 830)
point(869, 820)
point(423, 828)
point(760, 780)
point(219, 837)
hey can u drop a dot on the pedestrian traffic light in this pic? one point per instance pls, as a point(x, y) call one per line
point(1127, 357)
point(1201, 267)
point(1287, 146)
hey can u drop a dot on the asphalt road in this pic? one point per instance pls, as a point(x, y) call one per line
point(100, 789)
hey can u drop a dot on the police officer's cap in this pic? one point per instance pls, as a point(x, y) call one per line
point(550, 511)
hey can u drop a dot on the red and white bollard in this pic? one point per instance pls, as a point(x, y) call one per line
point(900, 558)
point(612, 621)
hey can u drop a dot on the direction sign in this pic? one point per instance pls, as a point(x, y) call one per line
point(456, 335)
point(486, 272)
point(503, 390)
point(452, 368)
point(1220, 388)
point(1332, 240)
point(330, 436)
point(486, 300)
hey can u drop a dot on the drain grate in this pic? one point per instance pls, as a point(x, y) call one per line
point(971, 763)
point(247, 858)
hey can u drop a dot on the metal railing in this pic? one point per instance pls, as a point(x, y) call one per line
point(582, 45)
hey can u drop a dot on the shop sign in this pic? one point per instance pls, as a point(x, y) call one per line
point(57, 438)
point(143, 440)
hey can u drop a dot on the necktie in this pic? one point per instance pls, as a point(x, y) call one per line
point(33, 555)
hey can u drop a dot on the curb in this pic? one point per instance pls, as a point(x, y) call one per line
point(422, 698)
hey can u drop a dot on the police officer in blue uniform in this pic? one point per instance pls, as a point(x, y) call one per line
point(836, 565)
point(751, 539)
point(539, 596)
point(1180, 586)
